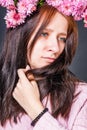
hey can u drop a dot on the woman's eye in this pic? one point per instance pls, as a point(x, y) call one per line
point(62, 39)
point(44, 34)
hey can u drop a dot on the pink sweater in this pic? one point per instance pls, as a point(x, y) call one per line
point(77, 119)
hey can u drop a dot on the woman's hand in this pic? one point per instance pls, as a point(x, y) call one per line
point(26, 93)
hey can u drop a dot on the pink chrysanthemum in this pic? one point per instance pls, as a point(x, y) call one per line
point(78, 9)
point(6, 3)
point(54, 3)
point(16, 14)
point(17, 11)
point(27, 7)
point(13, 19)
point(22, 7)
point(66, 7)
point(85, 18)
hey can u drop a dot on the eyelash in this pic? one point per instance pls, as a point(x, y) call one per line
point(63, 39)
point(45, 34)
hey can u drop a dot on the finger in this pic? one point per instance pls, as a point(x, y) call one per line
point(17, 86)
point(21, 73)
point(18, 83)
point(22, 77)
point(17, 89)
point(27, 67)
point(30, 77)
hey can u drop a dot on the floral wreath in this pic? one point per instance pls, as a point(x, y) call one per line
point(18, 10)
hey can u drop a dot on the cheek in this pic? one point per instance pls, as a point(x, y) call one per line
point(28, 57)
point(35, 52)
point(38, 47)
point(62, 48)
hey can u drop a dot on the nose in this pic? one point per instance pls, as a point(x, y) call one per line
point(53, 45)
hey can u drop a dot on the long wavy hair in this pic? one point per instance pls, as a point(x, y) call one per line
point(54, 79)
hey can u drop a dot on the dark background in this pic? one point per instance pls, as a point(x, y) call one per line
point(79, 63)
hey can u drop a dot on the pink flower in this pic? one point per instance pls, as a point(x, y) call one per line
point(6, 3)
point(85, 18)
point(31, 9)
point(78, 9)
point(66, 7)
point(22, 7)
point(11, 7)
point(17, 14)
point(31, 6)
point(54, 3)
point(13, 19)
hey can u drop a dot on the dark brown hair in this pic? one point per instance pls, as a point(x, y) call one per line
point(55, 80)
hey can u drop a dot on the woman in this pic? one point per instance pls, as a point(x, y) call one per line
point(37, 90)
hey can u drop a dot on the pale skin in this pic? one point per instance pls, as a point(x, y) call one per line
point(47, 48)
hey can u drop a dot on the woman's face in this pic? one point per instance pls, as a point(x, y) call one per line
point(50, 43)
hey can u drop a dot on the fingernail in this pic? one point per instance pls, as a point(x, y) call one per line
point(27, 67)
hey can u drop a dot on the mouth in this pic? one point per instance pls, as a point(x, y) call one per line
point(48, 59)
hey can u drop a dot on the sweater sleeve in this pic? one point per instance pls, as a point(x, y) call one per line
point(48, 122)
point(77, 118)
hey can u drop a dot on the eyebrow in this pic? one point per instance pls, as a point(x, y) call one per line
point(50, 30)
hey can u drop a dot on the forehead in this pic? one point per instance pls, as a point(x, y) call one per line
point(54, 21)
point(58, 23)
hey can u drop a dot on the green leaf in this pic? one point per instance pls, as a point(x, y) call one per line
point(40, 3)
point(15, 1)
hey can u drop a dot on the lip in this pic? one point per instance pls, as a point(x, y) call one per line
point(49, 59)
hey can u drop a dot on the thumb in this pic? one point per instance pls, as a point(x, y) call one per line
point(27, 67)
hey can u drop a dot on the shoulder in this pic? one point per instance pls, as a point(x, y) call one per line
point(81, 88)
point(80, 94)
